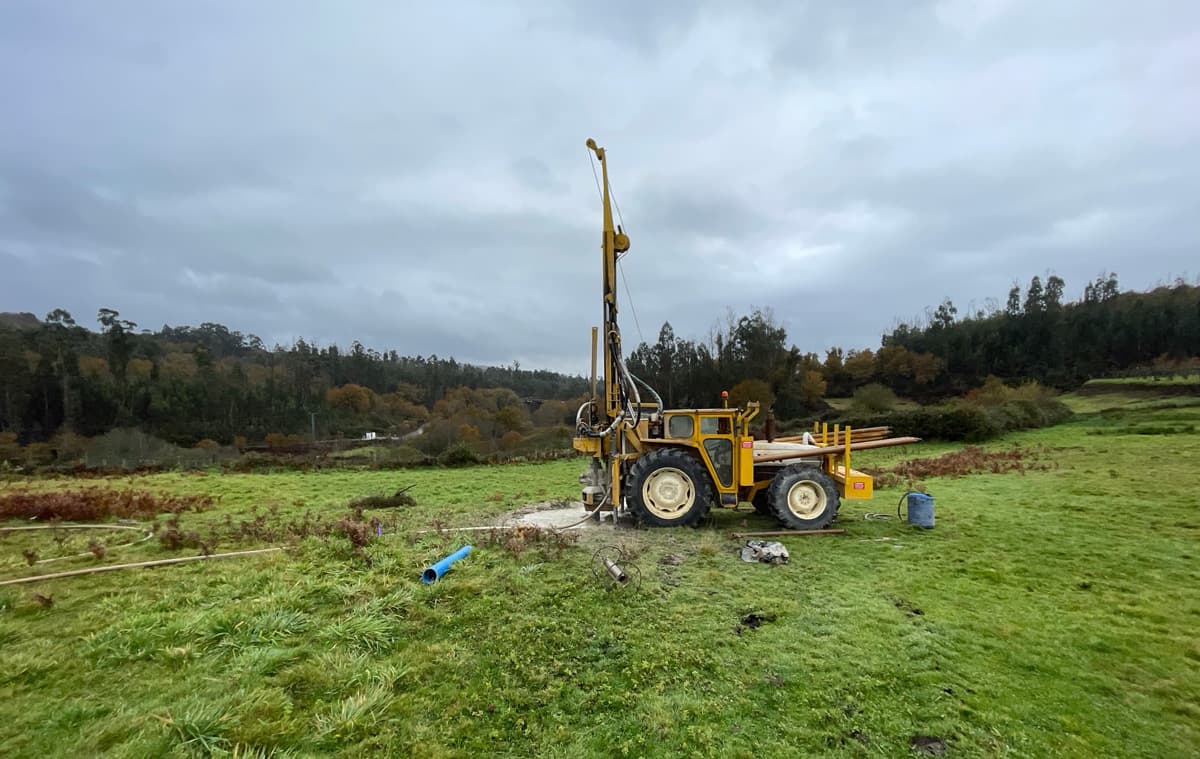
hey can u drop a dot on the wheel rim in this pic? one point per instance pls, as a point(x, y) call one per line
point(668, 492)
point(807, 499)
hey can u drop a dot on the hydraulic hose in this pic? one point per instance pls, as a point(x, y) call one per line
point(657, 398)
point(587, 430)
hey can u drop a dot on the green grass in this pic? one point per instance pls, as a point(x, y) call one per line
point(1134, 405)
point(1151, 381)
point(1051, 613)
point(380, 453)
point(845, 404)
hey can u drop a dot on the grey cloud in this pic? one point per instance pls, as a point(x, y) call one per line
point(815, 38)
point(415, 177)
point(679, 211)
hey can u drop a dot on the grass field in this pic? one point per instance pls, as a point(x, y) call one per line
point(1051, 612)
point(845, 404)
point(1159, 379)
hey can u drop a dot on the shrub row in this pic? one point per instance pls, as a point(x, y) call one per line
point(961, 420)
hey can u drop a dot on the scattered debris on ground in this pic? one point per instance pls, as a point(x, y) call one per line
point(907, 607)
point(927, 744)
point(766, 551)
point(754, 620)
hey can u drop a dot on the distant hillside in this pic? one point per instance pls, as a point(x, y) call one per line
point(23, 320)
point(188, 384)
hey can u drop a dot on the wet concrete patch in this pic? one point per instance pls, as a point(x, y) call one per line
point(557, 515)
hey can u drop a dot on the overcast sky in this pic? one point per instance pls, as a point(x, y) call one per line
point(413, 175)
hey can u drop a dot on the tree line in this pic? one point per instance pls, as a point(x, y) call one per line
point(1035, 336)
point(186, 384)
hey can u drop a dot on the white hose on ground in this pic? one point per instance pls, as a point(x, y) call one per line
point(149, 534)
point(136, 564)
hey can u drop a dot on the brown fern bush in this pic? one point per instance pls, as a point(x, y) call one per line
point(359, 531)
point(966, 461)
point(550, 544)
point(174, 538)
point(97, 504)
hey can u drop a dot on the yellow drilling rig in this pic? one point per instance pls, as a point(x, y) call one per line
point(668, 467)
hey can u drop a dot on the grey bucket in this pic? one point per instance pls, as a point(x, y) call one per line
point(920, 509)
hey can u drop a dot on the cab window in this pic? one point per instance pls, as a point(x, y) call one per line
point(680, 426)
point(720, 452)
point(714, 425)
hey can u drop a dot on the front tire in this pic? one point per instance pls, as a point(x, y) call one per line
point(669, 488)
point(803, 498)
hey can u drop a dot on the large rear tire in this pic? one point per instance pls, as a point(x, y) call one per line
point(667, 487)
point(803, 497)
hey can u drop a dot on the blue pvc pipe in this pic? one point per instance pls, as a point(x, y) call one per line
point(435, 571)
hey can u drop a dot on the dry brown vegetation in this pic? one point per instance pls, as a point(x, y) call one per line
point(969, 460)
point(96, 504)
point(550, 543)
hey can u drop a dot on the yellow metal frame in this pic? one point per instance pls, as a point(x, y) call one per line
point(853, 485)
